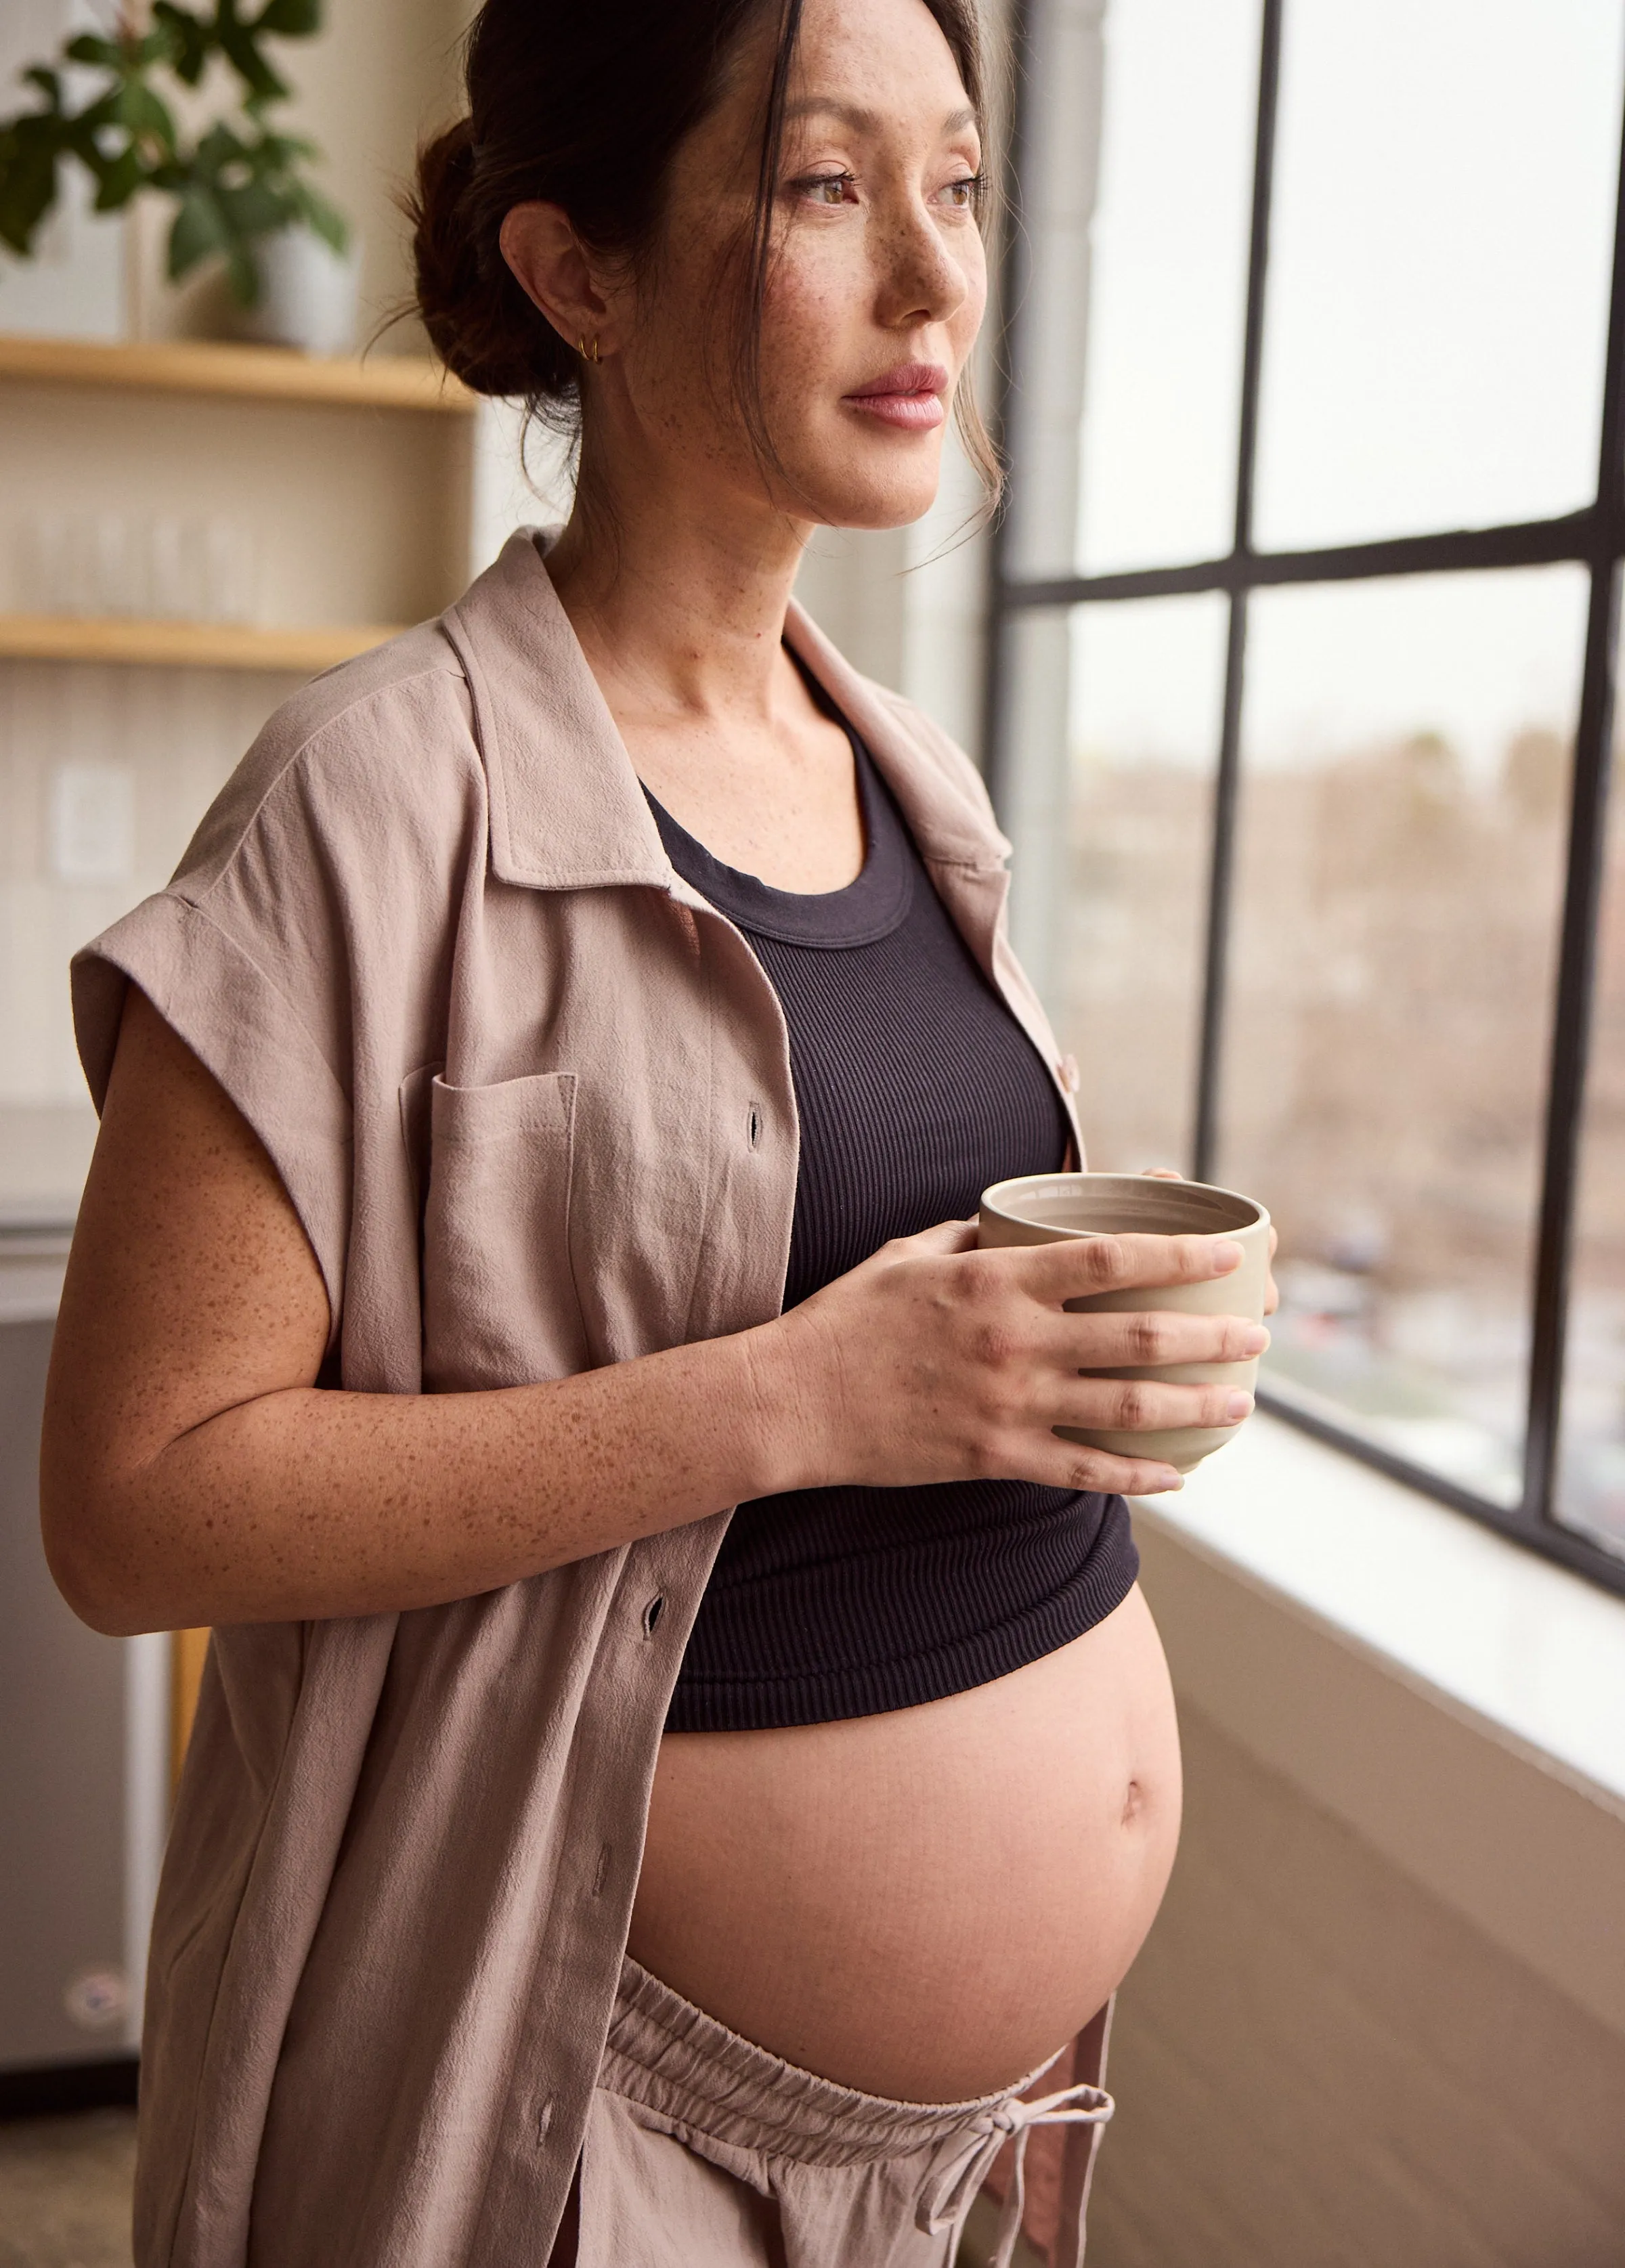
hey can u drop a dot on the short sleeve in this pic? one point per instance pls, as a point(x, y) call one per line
point(214, 994)
point(298, 942)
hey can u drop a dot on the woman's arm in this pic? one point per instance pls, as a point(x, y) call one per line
point(192, 1472)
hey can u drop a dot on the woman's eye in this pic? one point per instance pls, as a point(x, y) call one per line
point(963, 195)
point(827, 188)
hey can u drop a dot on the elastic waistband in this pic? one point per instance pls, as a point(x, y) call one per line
point(670, 2056)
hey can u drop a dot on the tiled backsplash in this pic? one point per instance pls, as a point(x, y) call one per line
point(104, 775)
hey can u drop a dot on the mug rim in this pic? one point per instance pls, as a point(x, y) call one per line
point(993, 1201)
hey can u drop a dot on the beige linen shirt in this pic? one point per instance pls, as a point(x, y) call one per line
point(530, 1097)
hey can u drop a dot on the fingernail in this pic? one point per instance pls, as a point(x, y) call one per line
point(1239, 1406)
point(1228, 1256)
point(1256, 1340)
point(1168, 1479)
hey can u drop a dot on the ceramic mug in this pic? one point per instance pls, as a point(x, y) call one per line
point(1045, 1208)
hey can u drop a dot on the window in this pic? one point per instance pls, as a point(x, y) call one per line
point(1302, 699)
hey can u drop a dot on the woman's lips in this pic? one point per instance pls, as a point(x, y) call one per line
point(910, 396)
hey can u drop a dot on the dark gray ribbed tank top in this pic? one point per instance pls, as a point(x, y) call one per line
point(915, 1088)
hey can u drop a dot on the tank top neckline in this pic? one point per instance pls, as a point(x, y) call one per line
point(870, 907)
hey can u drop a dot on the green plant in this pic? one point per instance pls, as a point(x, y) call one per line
point(238, 180)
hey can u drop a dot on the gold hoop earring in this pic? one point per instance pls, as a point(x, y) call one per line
point(588, 354)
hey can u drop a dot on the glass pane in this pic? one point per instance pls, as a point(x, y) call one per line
point(1439, 261)
point(1591, 1489)
point(104, 774)
point(1148, 684)
point(1398, 891)
point(1167, 281)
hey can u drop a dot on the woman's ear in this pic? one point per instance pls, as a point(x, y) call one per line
point(546, 259)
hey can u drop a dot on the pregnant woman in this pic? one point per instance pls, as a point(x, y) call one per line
point(540, 1117)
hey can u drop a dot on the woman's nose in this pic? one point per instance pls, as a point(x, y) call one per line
point(920, 280)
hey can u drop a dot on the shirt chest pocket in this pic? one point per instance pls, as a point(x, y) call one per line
point(500, 1306)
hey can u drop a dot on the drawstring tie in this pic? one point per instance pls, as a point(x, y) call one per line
point(952, 2196)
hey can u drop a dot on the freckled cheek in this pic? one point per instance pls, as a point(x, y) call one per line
point(666, 368)
point(802, 335)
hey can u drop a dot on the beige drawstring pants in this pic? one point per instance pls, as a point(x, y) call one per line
point(703, 2151)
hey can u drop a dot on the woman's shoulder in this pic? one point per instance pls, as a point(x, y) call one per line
point(382, 744)
point(319, 874)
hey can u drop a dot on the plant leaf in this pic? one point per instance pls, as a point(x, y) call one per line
point(217, 149)
point(198, 229)
point(290, 19)
point(256, 209)
point(282, 151)
point(88, 48)
point(117, 180)
point(327, 220)
point(81, 131)
point(244, 277)
point(143, 112)
point(238, 45)
point(27, 189)
point(188, 41)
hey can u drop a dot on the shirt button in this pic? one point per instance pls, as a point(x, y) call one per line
point(1068, 1072)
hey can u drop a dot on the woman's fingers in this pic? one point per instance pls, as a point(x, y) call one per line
point(1075, 1267)
point(1073, 1465)
point(1143, 1405)
point(1147, 1339)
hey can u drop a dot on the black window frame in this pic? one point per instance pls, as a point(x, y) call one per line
point(1593, 537)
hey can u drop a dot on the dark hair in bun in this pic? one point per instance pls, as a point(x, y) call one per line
point(583, 104)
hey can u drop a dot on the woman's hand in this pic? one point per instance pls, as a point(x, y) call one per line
point(934, 1361)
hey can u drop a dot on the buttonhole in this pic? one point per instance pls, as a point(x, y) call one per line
point(602, 1873)
point(652, 1614)
point(544, 2119)
point(755, 1123)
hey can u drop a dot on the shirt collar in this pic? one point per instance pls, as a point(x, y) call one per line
point(566, 808)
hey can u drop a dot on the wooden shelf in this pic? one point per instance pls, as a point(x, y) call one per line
point(254, 374)
point(200, 645)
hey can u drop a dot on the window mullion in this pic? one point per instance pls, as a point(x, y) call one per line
point(1228, 779)
point(1571, 1022)
point(1014, 268)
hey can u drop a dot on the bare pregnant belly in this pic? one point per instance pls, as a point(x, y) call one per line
point(924, 1905)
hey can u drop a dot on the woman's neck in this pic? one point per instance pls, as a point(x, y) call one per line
point(678, 593)
point(677, 596)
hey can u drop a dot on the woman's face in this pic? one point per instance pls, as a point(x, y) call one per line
point(875, 290)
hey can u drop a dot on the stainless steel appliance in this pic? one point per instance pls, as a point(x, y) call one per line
point(84, 1743)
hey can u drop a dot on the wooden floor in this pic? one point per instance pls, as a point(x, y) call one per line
point(1318, 2065)
point(64, 2190)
